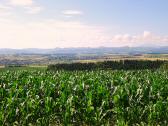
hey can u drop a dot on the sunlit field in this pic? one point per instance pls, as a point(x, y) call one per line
point(96, 97)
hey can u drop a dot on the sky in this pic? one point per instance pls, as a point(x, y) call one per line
point(83, 23)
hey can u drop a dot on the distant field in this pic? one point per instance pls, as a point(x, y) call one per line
point(43, 60)
point(112, 57)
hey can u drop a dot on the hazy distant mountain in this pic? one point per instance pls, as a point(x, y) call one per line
point(100, 50)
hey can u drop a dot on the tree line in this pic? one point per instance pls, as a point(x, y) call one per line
point(113, 65)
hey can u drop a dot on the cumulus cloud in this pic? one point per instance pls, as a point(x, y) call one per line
point(21, 2)
point(147, 34)
point(146, 38)
point(29, 6)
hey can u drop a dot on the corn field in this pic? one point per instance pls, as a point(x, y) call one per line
point(100, 97)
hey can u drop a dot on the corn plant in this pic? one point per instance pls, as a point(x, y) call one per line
point(99, 97)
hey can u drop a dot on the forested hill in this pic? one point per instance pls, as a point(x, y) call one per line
point(84, 50)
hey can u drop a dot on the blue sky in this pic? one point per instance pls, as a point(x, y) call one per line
point(83, 23)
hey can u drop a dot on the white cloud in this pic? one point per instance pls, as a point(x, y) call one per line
point(72, 12)
point(147, 34)
point(21, 2)
point(33, 9)
point(4, 10)
point(50, 34)
point(146, 38)
point(28, 6)
point(54, 33)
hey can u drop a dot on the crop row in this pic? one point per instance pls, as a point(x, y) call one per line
point(84, 97)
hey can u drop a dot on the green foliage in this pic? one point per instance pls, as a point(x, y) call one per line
point(164, 66)
point(114, 65)
point(84, 98)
